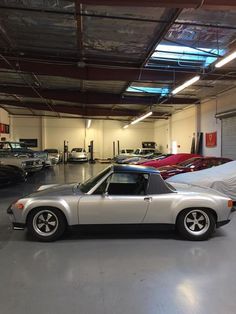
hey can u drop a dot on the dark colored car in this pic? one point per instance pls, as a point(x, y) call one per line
point(11, 174)
point(192, 164)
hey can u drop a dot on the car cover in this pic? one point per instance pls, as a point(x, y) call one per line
point(221, 178)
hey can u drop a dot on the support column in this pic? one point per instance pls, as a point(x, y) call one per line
point(169, 135)
point(43, 133)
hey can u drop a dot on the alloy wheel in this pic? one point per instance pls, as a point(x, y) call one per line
point(45, 223)
point(196, 222)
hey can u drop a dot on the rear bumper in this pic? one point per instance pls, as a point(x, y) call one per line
point(222, 223)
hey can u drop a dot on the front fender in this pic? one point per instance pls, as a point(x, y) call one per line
point(70, 212)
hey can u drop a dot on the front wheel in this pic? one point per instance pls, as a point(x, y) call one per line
point(46, 224)
point(196, 224)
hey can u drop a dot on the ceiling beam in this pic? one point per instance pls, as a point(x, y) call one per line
point(82, 111)
point(90, 98)
point(194, 4)
point(96, 73)
point(102, 73)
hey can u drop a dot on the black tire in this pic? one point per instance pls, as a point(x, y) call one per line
point(46, 224)
point(196, 224)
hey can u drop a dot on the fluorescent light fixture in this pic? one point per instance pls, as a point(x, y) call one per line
point(89, 121)
point(227, 59)
point(142, 118)
point(125, 126)
point(152, 90)
point(186, 84)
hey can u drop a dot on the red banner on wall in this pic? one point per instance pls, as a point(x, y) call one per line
point(211, 139)
point(1, 128)
point(4, 128)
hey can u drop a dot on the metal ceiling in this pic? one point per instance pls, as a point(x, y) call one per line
point(112, 59)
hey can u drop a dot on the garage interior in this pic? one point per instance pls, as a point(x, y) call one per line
point(72, 72)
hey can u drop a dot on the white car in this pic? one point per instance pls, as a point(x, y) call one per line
point(78, 154)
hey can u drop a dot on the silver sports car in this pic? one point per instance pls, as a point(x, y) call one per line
point(122, 195)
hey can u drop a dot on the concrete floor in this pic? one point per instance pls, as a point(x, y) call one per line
point(112, 274)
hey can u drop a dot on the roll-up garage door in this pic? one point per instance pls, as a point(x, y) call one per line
point(229, 137)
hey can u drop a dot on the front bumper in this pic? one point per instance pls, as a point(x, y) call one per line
point(33, 168)
point(15, 225)
point(78, 159)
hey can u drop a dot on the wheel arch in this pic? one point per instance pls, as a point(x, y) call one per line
point(212, 211)
point(46, 207)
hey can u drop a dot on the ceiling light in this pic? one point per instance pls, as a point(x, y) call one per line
point(88, 123)
point(186, 84)
point(125, 126)
point(141, 118)
point(227, 59)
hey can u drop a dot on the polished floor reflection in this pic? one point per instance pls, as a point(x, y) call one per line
point(112, 273)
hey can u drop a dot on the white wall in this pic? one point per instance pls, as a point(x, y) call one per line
point(51, 132)
point(132, 137)
point(162, 135)
point(26, 128)
point(180, 128)
point(4, 118)
point(208, 122)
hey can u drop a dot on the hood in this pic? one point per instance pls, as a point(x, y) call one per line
point(57, 190)
point(184, 187)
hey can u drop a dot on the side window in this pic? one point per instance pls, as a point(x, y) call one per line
point(124, 184)
point(127, 184)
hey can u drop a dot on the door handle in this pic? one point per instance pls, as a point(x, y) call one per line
point(148, 198)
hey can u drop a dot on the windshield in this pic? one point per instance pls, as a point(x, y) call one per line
point(18, 145)
point(188, 163)
point(91, 182)
point(78, 150)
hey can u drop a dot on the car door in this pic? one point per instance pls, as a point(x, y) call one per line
point(120, 199)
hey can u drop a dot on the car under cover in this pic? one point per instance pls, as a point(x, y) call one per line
point(221, 178)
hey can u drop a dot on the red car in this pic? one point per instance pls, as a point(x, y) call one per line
point(168, 161)
point(193, 164)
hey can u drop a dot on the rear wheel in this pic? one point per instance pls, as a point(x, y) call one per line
point(196, 224)
point(46, 224)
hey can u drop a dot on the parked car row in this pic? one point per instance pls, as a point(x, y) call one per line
point(194, 169)
point(17, 160)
